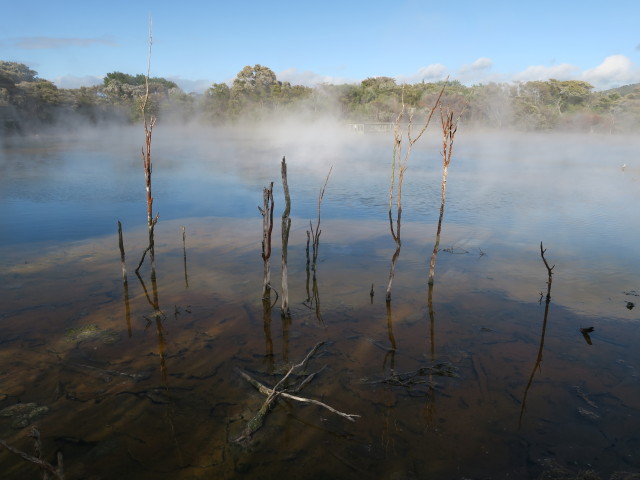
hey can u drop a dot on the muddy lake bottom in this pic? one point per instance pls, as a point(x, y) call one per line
point(472, 379)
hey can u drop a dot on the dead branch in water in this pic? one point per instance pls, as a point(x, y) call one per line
point(280, 390)
point(422, 376)
point(399, 163)
point(286, 227)
point(315, 235)
point(549, 272)
point(449, 129)
point(267, 227)
point(150, 247)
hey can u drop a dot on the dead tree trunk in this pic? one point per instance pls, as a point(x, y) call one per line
point(267, 228)
point(286, 227)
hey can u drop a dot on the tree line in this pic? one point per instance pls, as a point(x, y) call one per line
point(29, 102)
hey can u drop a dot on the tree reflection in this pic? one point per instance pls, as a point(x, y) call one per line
point(125, 281)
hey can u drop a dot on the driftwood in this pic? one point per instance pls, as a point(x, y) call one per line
point(280, 390)
point(46, 467)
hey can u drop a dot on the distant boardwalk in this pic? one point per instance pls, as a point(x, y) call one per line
point(379, 127)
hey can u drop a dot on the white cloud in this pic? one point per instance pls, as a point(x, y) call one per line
point(478, 72)
point(71, 81)
point(309, 78)
point(614, 71)
point(479, 65)
point(31, 43)
point(431, 73)
point(191, 86)
point(564, 71)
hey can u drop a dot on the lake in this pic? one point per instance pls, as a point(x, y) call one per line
point(476, 377)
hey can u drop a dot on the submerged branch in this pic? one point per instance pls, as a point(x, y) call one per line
point(45, 466)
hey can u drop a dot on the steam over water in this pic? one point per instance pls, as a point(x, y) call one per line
point(448, 383)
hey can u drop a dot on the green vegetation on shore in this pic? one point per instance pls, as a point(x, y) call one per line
point(28, 102)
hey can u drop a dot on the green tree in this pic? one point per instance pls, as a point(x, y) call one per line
point(216, 102)
point(12, 73)
point(252, 88)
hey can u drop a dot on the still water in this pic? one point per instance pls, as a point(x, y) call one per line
point(467, 380)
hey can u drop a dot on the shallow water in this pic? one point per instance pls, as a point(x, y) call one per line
point(133, 393)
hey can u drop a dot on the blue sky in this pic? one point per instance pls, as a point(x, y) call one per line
point(75, 43)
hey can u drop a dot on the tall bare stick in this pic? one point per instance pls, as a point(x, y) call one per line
point(315, 235)
point(148, 130)
point(286, 227)
point(449, 129)
point(146, 155)
point(399, 164)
